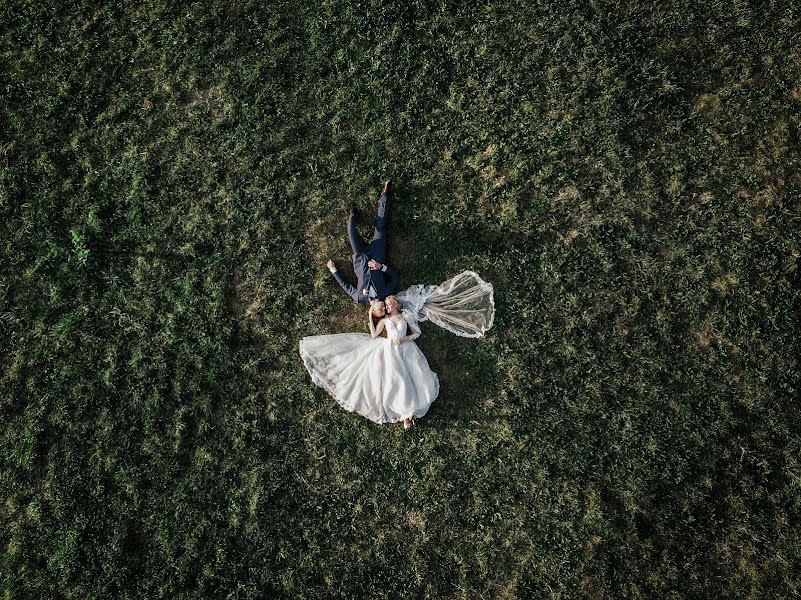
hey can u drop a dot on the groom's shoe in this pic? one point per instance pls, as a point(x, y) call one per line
point(387, 188)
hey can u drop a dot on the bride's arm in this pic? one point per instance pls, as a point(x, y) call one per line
point(375, 331)
point(415, 332)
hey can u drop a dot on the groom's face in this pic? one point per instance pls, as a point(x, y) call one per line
point(378, 309)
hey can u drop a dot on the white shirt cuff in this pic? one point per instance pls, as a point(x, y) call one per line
point(383, 267)
point(333, 270)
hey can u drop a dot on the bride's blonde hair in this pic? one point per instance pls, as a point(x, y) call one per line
point(395, 301)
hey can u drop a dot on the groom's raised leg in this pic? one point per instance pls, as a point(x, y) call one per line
point(357, 243)
point(382, 217)
point(378, 247)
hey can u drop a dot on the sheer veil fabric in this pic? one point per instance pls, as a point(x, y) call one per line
point(463, 305)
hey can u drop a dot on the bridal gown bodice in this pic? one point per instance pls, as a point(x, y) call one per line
point(374, 377)
point(395, 330)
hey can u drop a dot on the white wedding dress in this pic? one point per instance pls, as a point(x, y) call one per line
point(373, 377)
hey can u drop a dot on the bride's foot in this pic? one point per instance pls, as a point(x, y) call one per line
point(408, 423)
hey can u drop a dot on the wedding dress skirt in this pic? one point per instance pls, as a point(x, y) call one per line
point(373, 377)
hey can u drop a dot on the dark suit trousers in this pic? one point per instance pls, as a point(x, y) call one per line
point(377, 248)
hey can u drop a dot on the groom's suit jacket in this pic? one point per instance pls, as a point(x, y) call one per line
point(385, 282)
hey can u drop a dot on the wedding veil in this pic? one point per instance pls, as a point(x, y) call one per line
point(463, 305)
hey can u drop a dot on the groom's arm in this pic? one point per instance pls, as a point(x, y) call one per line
point(350, 289)
point(391, 273)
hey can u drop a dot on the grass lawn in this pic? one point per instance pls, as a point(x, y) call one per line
point(173, 177)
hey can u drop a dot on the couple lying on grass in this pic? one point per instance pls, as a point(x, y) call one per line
point(387, 379)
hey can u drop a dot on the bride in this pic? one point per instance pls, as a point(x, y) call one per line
point(386, 380)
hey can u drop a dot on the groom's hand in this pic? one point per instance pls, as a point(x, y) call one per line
point(375, 265)
point(330, 264)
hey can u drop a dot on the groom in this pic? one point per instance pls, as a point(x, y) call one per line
point(375, 280)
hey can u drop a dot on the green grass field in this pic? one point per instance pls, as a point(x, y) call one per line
point(173, 178)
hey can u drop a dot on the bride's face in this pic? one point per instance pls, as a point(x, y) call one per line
point(392, 308)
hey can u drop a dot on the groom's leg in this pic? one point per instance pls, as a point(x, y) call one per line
point(357, 243)
point(378, 247)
